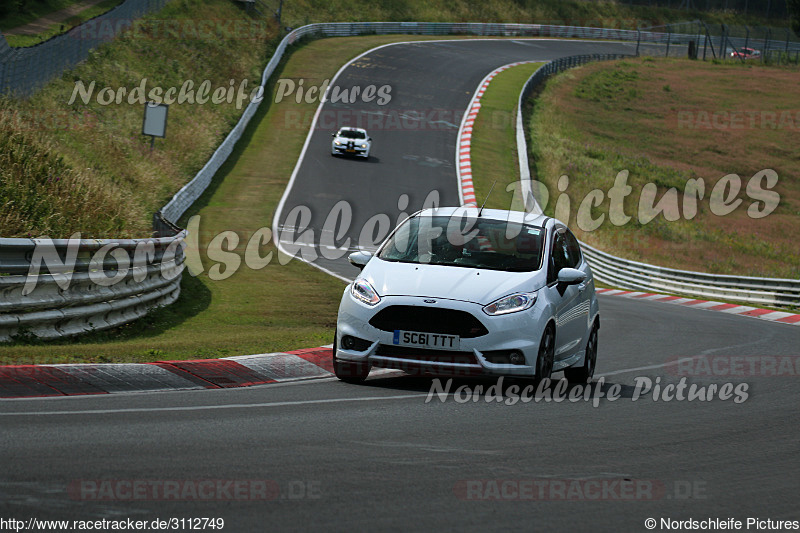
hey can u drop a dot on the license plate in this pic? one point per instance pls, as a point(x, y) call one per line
point(350, 150)
point(418, 339)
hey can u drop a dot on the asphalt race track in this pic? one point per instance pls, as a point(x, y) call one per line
point(414, 137)
point(322, 455)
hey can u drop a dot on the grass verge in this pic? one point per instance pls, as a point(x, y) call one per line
point(71, 162)
point(61, 27)
point(14, 13)
point(494, 142)
point(670, 123)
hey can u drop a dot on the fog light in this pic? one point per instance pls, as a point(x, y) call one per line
point(348, 342)
point(516, 358)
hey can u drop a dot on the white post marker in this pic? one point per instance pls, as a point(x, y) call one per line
point(154, 123)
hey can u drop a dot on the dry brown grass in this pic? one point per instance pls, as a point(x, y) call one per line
point(647, 116)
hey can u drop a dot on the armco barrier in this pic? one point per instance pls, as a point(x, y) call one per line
point(61, 287)
point(628, 274)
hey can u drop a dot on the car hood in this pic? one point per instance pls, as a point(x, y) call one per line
point(474, 285)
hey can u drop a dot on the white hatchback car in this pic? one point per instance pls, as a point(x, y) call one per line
point(463, 291)
point(351, 141)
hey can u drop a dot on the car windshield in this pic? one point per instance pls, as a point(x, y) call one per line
point(352, 134)
point(470, 243)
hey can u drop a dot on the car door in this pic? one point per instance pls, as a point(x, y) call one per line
point(583, 305)
point(567, 299)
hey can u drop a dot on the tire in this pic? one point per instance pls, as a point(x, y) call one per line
point(583, 374)
point(347, 371)
point(546, 356)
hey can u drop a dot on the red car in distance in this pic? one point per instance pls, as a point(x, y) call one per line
point(746, 53)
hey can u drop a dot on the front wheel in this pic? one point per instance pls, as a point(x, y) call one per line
point(348, 371)
point(584, 373)
point(546, 356)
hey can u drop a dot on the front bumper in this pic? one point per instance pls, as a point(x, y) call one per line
point(344, 150)
point(516, 332)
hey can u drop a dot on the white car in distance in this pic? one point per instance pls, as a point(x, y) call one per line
point(351, 141)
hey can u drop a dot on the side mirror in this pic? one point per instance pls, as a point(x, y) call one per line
point(370, 139)
point(359, 259)
point(571, 276)
point(333, 135)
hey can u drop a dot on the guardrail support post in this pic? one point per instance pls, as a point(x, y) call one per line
point(669, 38)
point(747, 35)
point(787, 45)
point(638, 40)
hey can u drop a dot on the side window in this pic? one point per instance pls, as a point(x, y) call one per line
point(561, 253)
point(573, 249)
point(559, 257)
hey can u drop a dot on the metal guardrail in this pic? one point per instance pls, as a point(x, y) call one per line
point(62, 287)
point(628, 274)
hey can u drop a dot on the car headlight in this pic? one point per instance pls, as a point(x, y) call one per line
point(363, 146)
point(510, 304)
point(337, 143)
point(362, 290)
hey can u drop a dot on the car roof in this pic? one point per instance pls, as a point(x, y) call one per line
point(521, 217)
point(349, 128)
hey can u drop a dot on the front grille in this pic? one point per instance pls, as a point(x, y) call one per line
point(429, 320)
point(421, 354)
